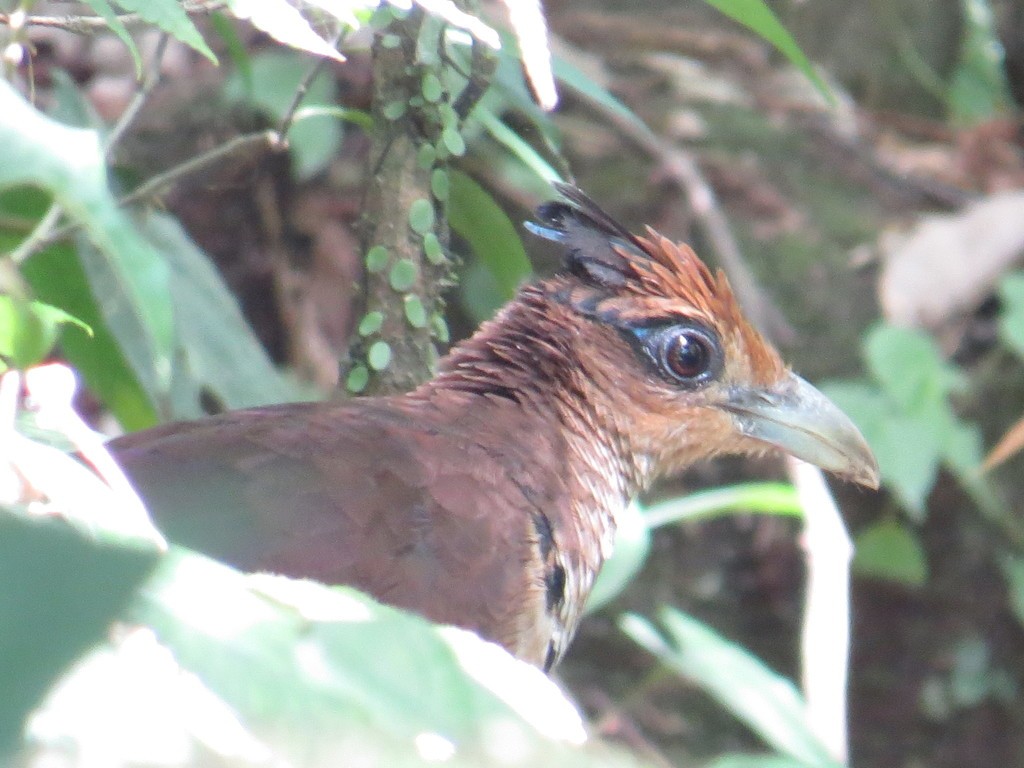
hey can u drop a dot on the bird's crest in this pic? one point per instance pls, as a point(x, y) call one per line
point(626, 277)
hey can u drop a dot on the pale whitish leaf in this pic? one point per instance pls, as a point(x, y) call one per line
point(103, 9)
point(451, 13)
point(765, 701)
point(531, 30)
point(345, 11)
point(59, 592)
point(755, 761)
point(69, 163)
point(285, 24)
point(169, 16)
point(316, 672)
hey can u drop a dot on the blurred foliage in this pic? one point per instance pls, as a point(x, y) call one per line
point(306, 672)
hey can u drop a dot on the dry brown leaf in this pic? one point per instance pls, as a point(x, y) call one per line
point(946, 264)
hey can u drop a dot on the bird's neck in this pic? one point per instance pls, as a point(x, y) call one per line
point(532, 354)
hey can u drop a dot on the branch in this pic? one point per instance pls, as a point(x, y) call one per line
point(91, 25)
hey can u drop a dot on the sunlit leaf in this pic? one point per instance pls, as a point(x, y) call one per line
point(29, 329)
point(59, 592)
point(283, 22)
point(56, 275)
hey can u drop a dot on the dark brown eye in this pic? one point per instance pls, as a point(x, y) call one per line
point(683, 353)
point(686, 355)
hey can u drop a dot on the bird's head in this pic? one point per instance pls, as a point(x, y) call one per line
point(686, 374)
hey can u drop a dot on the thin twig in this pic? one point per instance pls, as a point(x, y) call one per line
point(91, 25)
point(300, 93)
point(162, 181)
point(171, 176)
point(149, 81)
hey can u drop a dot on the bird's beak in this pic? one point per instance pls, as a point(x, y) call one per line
point(797, 418)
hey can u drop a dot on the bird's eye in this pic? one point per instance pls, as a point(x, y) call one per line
point(687, 355)
point(683, 353)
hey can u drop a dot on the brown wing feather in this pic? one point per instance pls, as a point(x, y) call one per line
point(400, 499)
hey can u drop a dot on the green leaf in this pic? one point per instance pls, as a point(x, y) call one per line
point(403, 275)
point(421, 216)
point(912, 452)
point(69, 163)
point(909, 366)
point(453, 141)
point(632, 545)
point(979, 90)
point(103, 9)
point(756, 498)
point(59, 592)
point(515, 144)
point(377, 258)
point(371, 323)
point(758, 17)
point(762, 699)
point(1013, 573)
point(474, 215)
point(216, 342)
point(1011, 322)
point(415, 313)
point(357, 379)
point(888, 550)
point(432, 249)
point(169, 16)
point(56, 275)
point(29, 329)
point(379, 355)
point(236, 49)
point(276, 75)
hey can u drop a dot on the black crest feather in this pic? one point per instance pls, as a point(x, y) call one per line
point(590, 235)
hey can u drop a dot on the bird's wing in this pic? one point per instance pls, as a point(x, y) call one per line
point(418, 514)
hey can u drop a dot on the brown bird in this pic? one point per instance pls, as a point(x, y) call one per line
point(487, 497)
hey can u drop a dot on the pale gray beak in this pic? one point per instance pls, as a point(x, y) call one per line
point(798, 419)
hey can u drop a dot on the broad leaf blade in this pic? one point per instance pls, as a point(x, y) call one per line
point(69, 163)
point(475, 216)
point(220, 356)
